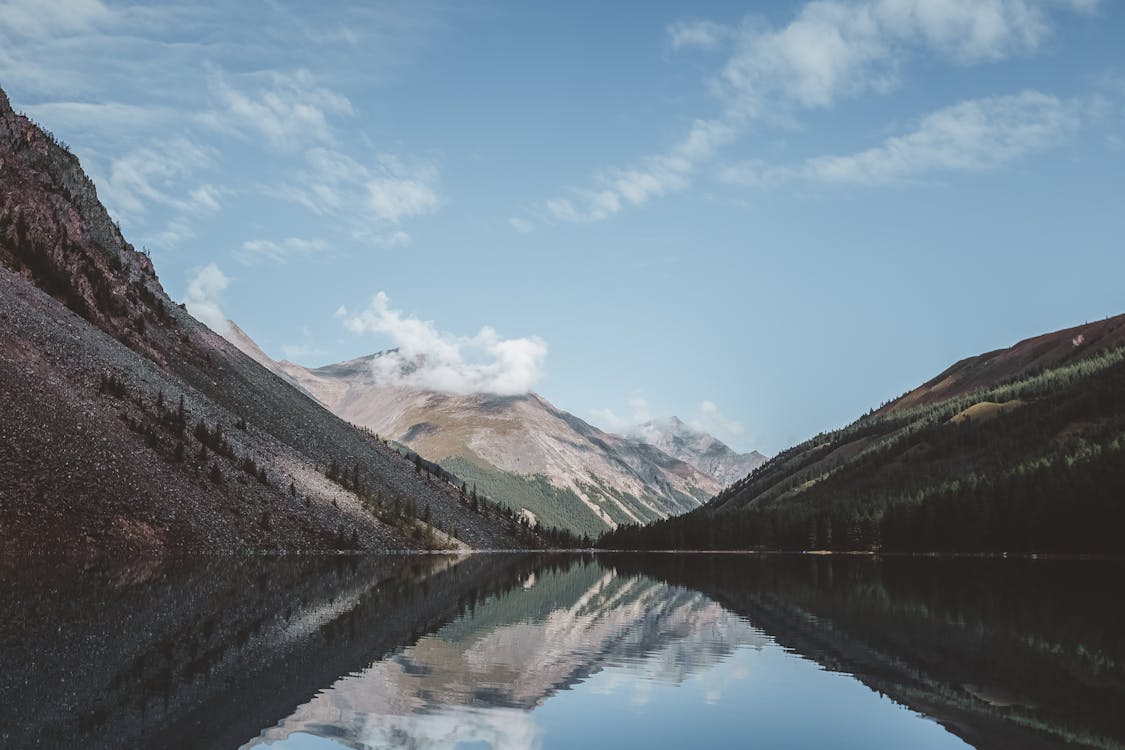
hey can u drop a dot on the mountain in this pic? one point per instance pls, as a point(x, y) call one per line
point(129, 426)
point(1017, 450)
point(541, 461)
point(706, 453)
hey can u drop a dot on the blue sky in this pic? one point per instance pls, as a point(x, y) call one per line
point(765, 222)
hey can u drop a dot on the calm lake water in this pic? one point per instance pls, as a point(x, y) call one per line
point(568, 651)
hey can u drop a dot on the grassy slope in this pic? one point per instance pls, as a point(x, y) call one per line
point(552, 506)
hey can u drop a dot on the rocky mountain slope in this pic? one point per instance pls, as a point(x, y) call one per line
point(1020, 449)
point(541, 461)
point(130, 426)
point(706, 453)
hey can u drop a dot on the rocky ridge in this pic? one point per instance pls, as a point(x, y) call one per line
point(705, 452)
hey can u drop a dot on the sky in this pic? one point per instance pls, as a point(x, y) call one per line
point(765, 218)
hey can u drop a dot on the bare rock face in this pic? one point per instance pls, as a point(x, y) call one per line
point(128, 426)
point(55, 233)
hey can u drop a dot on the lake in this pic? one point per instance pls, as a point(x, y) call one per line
point(564, 651)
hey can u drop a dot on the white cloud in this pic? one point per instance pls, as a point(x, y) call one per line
point(834, 49)
point(206, 198)
point(711, 420)
point(398, 192)
point(203, 297)
point(654, 176)
point(972, 135)
point(289, 110)
point(397, 238)
point(428, 358)
point(279, 252)
point(154, 174)
point(35, 19)
point(701, 34)
point(100, 117)
point(371, 201)
point(829, 50)
point(174, 232)
point(523, 226)
point(638, 413)
point(707, 418)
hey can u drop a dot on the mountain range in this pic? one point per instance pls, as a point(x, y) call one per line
point(542, 462)
point(130, 426)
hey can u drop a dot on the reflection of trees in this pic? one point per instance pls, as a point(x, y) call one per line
point(205, 653)
point(1005, 653)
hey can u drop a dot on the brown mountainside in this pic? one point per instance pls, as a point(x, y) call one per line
point(1030, 355)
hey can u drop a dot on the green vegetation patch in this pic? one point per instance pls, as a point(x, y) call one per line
point(552, 506)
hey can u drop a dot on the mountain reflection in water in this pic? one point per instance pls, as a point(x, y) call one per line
point(519, 651)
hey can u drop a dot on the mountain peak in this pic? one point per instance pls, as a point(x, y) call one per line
point(701, 450)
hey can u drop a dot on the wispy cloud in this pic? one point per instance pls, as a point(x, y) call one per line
point(281, 251)
point(638, 412)
point(29, 18)
point(710, 419)
point(288, 110)
point(432, 359)
point(652, 177)
point(397, 191)
point(155, 174)
point(99, 117)
point(373, 200)
point(830, 50)
point(203, 298)
point(972, 135)
point(521, 225)
point(77, 66)
point(71, 49)
point(706, 35)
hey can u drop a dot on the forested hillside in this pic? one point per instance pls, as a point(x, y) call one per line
point(1029, 459)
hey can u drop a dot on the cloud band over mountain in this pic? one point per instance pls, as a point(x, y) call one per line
point(428, 358)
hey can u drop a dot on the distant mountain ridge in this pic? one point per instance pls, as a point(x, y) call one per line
point(522, 450)
point(705, 452)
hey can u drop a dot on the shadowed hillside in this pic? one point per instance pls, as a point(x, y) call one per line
point(1016, 450)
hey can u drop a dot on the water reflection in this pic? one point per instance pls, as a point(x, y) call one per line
point(506, 651)
point(515, 651)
